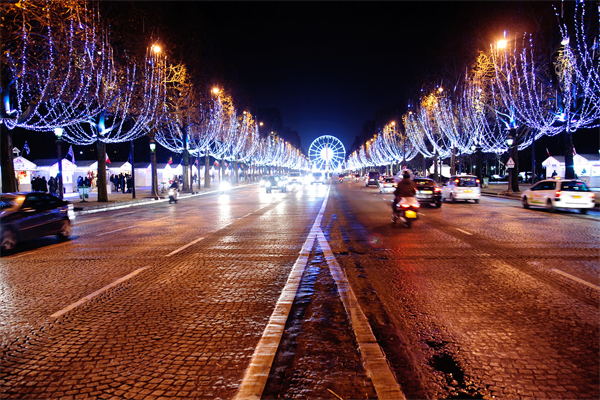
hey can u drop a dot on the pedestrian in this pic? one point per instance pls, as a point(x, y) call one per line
point(129, 183)
point(43, 184)
point(554, 173)
point(52, 185)
point(122, 182)
point(79, 181)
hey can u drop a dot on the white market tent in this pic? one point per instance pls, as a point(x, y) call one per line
point(49, 167)
point(587, 167)
point(24, 170)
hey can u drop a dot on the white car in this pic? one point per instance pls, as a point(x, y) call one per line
point(462, 187)
point(554, 193)
point(387, 185)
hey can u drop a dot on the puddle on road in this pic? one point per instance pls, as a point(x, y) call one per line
point(318, 356)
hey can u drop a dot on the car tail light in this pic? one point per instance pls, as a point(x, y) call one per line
point(557, 194)
point(456, 180)
point(477, 180)
point(437, 190)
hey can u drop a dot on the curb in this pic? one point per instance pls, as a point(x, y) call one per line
point(150, 201)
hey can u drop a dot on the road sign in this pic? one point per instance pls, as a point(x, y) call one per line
point(510, 163)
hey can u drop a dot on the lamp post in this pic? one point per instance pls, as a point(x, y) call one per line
point(153, 168)
point(58, 132)
point(513, 184)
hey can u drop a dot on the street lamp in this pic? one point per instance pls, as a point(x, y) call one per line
point(156, 48)
point(511, 176)
point(216, 90)
point(58, 132)
point(502, 44)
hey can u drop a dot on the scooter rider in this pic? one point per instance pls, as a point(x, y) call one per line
point(173, 189)
point(405, 188)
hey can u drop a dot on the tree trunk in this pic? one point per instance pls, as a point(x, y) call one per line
point(9, 180)
point(236, 172)
point(131, 149)
point(154, 175)
point(186, 171)
point(101, 179)
point(206, 171)
point(435, 168)
point(569, 163)
point(453, 162)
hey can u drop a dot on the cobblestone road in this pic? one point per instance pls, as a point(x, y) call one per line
point(478, 294)
point(484, 300)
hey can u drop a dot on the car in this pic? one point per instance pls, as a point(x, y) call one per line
point(462, 187)
point(428, 192)
point(294, 180)
point(276, 183)
point(31, 215)
point(317, 178)
point(387, 185)
point(554, 193)
point(372, 179)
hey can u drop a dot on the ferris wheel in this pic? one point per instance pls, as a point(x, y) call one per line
point(326, 153)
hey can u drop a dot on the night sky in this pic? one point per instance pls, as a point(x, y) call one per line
point(316, 68)
point(328, 67)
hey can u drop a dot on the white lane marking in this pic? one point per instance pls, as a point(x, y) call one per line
point(96, 293)
point(127, 213)
point(422, 213)
point(257, 373)
point(374, 360)
point(463, 231)
point(185, 246)
point(130, 227)
point(576, 279)
point(116, 230)
point(87, 220)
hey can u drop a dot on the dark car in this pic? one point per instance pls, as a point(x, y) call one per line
point(428, 192)
point(276, 183)
point(26, 216)
point(373, 179)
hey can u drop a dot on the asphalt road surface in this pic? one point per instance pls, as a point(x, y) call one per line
point(171, 301)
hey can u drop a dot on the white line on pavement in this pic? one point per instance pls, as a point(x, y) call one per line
point(116, 230)
point(257, 373)
point(185, 246)
point(374, 360)
point(576, 279)
point(463, 231)
point(87, 220)
point(96, 293)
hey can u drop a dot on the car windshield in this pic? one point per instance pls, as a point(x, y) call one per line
point(467, 182)
point(373, 175)
point(574, 187)
point(389, 180)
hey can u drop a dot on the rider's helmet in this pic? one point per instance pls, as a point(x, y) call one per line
point(406, 174)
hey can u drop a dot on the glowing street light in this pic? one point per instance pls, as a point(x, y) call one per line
point(502, 44)
point(261, 124)
point(156, 48)
point(216, 90)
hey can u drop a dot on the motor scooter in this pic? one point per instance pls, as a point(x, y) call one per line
point(173, 195)
point(406, 211)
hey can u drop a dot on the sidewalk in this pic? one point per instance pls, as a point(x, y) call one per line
point(117, 200)
point(501, 190)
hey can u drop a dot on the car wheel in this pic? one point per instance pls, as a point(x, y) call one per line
point(525, 202)
point(408, 223)
point(438, 204)
point(268, 191)
point(476, 201)
point(549, 205)
point(583, 210)
point(65, 230)
point(9, 240)
point(452, 199)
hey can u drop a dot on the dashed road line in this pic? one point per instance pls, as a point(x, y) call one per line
point(257, 373)
point(463, 231)
point(185, 246)
point(576, 279)
point(374, 360)
point(116, 230)
point(96, 293)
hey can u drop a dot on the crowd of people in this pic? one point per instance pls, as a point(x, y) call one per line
point(40, 184)
point(123, 182)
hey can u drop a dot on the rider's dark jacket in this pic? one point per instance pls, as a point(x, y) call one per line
point(405, 188)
